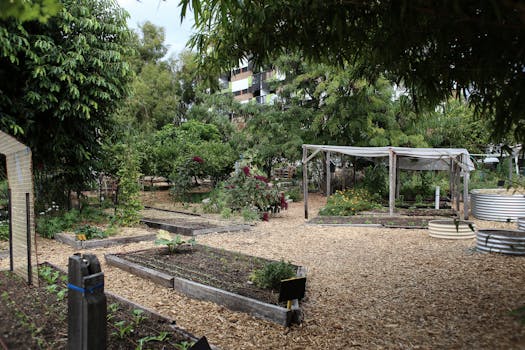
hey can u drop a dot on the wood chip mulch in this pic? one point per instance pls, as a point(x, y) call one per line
point(368, 288)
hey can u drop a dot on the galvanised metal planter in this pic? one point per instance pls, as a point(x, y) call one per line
point(521, 224)
point(510, 242)
point(450, 229)
point(497, 204)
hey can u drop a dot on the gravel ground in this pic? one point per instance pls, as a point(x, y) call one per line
point(368, 288)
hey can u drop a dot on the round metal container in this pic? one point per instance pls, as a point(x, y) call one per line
point(521, 224)
point(447, 229)
point(497, 205)
point(510, 242)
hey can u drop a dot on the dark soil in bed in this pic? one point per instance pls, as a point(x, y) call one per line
point(214, 267)
point(36, 318)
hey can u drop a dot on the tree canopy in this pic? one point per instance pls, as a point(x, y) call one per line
point(60, 82)
point(469, 47)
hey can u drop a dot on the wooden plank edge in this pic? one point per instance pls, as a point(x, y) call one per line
point(220, 229)
point(111, 241)
point(139, 270)
point(234, 301)
point(65, 239)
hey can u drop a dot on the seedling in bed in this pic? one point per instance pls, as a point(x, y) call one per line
point(138, 316)
point(112, 309)
point(123, 329)
point(185, 345)
point(173, 243)
point(161, 337)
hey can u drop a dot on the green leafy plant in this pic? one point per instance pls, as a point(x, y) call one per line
point(4, 230)
point(112, 310)
point(249, 214)
point(519, 313)
point(184, 345)
point(162, 336)
point(90, 232)
point(349, 202)
point(138, 316)
point(48, 274)
point(123, 329)
point(173, 243)
point(271, 274)
point(129, 204)
point(295, 194)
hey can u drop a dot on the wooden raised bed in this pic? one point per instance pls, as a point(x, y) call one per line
point(233, 301)
point(191, 229)
point(101, 243)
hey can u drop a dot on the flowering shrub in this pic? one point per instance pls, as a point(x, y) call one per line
point(349, 202)
point(244, 192)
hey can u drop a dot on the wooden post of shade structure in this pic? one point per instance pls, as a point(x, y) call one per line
point(466, 178)
point(10, 214)
point(457, 178)
point(28, 237)
point(451, 182)
point(392, 184)
point(305, 181)
point(328, 174)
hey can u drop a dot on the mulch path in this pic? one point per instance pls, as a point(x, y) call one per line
point(368, 288)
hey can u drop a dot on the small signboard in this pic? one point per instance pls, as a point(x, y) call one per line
point(201, 344)
point(292, 288)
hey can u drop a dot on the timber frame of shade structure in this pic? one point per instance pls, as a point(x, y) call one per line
point(454, 160)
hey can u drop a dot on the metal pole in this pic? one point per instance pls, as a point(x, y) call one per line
point(28, 233)
point(10, 214)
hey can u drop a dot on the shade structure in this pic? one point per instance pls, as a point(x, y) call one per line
point(455, 160)
point(22, 242)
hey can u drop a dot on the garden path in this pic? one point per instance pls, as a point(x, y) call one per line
point(367, 287)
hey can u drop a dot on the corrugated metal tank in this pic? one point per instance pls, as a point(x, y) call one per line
point(497, 205)
point(447, 229)
point(521, 224)
point(510, 242)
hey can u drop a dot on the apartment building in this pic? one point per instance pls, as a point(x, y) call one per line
point(248, 85)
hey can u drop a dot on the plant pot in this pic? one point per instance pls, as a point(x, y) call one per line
point(450, 229)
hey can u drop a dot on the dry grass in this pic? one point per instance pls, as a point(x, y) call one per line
point(368, 288)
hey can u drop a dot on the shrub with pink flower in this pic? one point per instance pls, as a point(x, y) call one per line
point(252, 192)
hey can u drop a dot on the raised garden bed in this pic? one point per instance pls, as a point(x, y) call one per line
point(510, 242)
point(211, 274)
point(71, 240)
point(451, 229)
point(36, 317)
point(191, 228)
point(410, 222)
